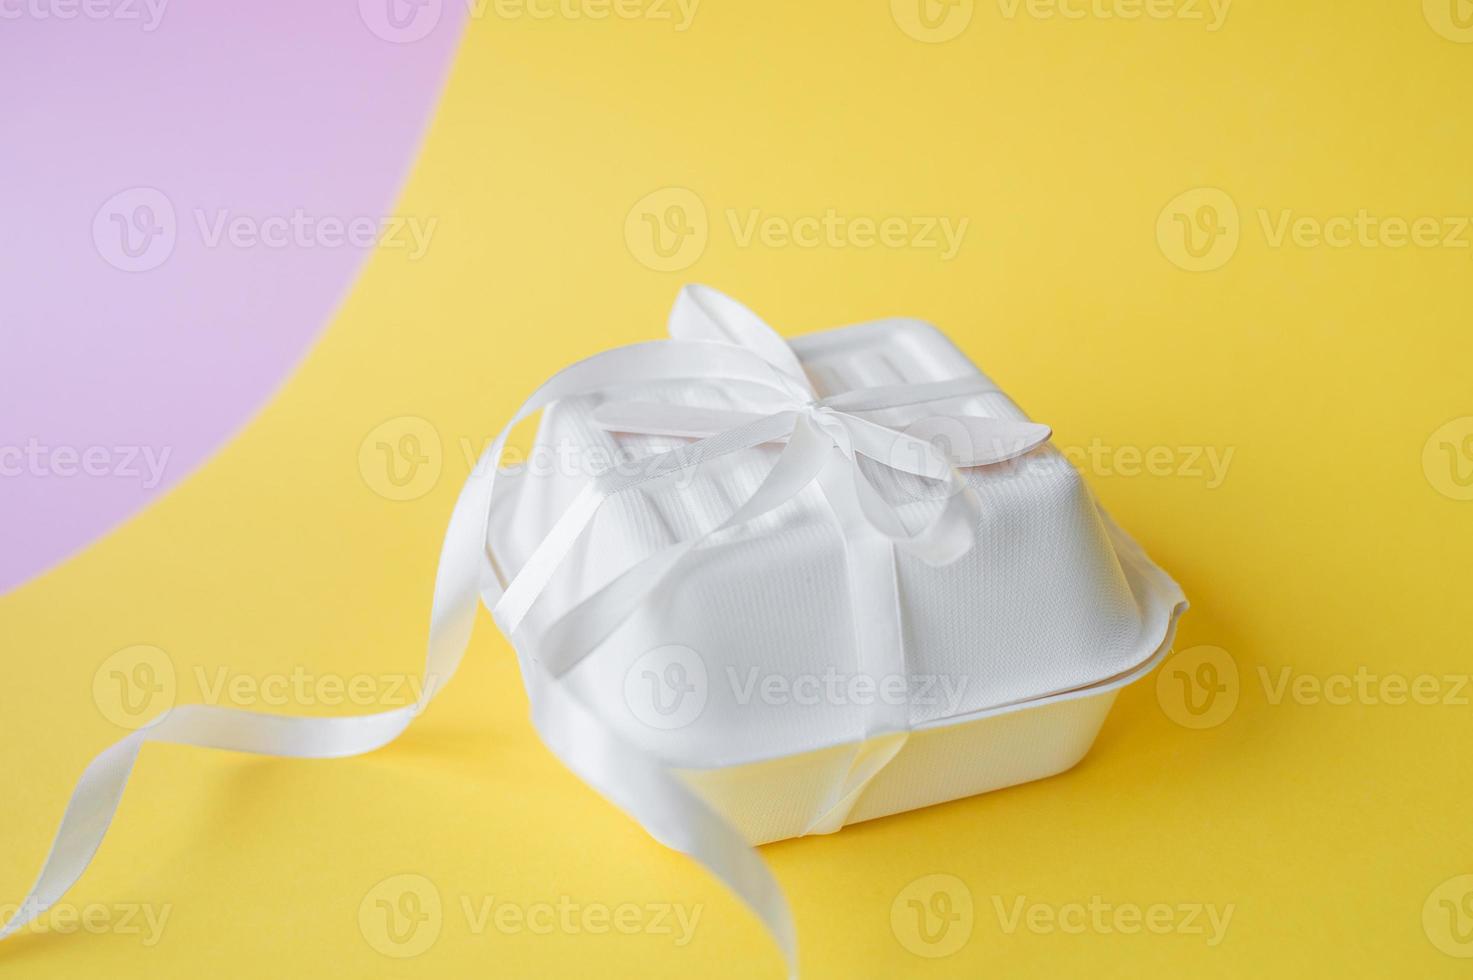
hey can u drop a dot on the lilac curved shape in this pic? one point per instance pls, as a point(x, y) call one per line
point(187, 190)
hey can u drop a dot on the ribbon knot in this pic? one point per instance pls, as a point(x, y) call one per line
point(866, 422)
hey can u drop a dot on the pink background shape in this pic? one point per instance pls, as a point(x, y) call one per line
point(126, 361)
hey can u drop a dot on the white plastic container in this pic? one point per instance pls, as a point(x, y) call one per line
point(741, 673)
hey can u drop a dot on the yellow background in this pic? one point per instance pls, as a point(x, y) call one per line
point(1328, 546)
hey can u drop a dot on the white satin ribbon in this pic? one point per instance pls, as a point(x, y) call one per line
point(716, 340)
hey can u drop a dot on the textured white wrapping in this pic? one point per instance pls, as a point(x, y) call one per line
point(1014, 651)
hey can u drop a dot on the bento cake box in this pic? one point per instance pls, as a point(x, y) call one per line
point(742, 671)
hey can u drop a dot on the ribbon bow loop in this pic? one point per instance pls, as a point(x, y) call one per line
point(934, 447)
point(703, 313)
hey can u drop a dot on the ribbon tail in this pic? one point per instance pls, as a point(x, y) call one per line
point(99, 790)
point(632, 779)
point(83, 825)
point(659, 801)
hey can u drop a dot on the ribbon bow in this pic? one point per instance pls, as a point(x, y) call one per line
point(786, 408)
point(702, 313)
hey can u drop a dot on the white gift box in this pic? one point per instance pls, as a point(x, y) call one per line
point(759, 590)
point(742, 672)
